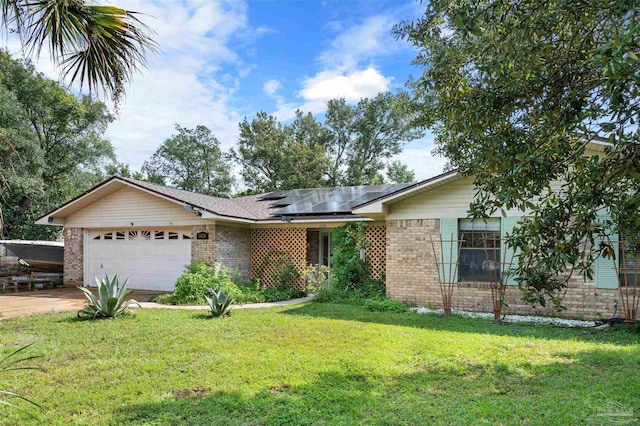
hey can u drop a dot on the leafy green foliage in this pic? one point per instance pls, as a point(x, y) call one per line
point(100, 46)
point(219, 303)
point(285, 276)
point(276, 156)
point(351, 147)
point(371, 301)
point(350, 271)
point(513, 93)
point(317, 278)
point(365, 135)
point(385, 305)
point(400, 173)
point(51, 147)
point(200, 277)
point(192, 160)
point(15, 362)
point(110, 302)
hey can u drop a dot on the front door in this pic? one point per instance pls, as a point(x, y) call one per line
point(326, 249)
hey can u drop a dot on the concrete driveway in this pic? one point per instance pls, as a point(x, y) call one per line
point(47, 301)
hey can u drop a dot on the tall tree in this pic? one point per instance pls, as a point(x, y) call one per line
point(275, 156)
point(53, 145)
point(365, 135)
point(192, 160)
point(100, 46)
point(398, 172)
point(514, 90)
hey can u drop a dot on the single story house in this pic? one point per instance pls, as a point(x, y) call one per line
point(149, 232)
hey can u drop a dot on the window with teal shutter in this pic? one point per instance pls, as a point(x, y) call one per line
point(606, 276)
point(449, 257)
point(509, 256)
point(480, 251)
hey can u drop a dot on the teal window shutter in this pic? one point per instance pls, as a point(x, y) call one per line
point(606, 276)
point(449, 235)
point(507, 254)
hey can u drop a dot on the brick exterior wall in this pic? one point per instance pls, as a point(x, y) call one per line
point(233, 249)
point(203, 250)
point(412, 277)
point(73, 256)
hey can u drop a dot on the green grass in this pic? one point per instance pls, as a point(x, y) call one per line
point(319, 364)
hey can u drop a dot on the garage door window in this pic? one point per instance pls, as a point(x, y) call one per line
point(142, 235)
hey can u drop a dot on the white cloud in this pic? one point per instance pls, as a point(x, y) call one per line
point(352, 86)
point(271, 87)
point(327, 85)
point(369, 39)
point(346, 68)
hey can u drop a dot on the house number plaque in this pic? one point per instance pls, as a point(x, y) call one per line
point(202, 236)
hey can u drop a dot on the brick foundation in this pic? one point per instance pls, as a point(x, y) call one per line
point(203, 250)
point(73, 257)
point(412, 277)
point(233, 249)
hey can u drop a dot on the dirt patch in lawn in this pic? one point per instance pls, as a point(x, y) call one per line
point(279, 389)
point(186, 393)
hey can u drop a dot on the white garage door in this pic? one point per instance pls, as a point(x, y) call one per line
point(152, 259)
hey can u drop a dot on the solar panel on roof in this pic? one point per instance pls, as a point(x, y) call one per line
point(319, 201)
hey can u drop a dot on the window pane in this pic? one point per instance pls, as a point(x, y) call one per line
point(474, 265)
point(491, 224)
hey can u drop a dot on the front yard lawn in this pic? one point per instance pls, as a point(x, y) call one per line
point(320, 364)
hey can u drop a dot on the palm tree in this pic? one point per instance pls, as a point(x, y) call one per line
point(98, 46)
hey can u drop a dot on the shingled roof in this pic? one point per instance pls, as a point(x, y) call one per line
point(302, 204)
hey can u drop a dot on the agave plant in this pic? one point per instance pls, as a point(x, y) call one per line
point(219, 303)
point(110, 300)
point(15, 362)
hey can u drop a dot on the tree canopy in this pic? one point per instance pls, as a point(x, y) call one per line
point(513, 92)
point(52, 146)
point(351, 147)
point(192, 160)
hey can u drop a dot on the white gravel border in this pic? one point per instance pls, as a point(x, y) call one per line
point(510, 319)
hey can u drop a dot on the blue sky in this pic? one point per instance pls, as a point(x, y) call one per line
point(222, 61)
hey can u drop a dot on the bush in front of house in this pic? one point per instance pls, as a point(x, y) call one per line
point(371, 302)
point(199, 277)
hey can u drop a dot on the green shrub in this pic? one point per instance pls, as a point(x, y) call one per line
point(317, 278)
point(385, 305)
point(349, 271)
point(190, 289)
point(346, 297)
point(199, 277)
point(286, 273)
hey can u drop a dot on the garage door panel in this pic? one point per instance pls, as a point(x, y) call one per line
point(148, 264)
